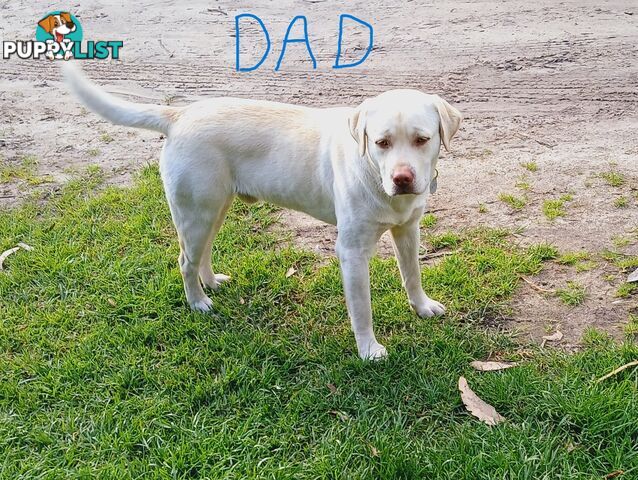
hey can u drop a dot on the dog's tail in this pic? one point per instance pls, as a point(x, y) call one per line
point(116, 110)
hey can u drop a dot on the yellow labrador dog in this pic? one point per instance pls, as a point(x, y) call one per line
point(366, 169)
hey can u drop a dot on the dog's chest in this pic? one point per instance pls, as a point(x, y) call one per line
point(399, 214)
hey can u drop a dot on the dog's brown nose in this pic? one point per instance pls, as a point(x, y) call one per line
point(403, 176)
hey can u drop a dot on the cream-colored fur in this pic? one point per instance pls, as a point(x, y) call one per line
point(336, 164)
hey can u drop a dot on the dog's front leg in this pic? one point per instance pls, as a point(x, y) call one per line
point(354, 260)
point(406, 248)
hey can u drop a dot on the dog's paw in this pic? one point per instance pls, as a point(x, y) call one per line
point(429, 308)
point(213, 280)
point(203, 305)
point(373, 351)
point(221, 278)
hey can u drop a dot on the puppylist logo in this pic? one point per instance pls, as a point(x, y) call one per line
point(58, 35)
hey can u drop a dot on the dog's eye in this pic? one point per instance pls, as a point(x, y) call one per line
point(383, 143)
point(421, 140)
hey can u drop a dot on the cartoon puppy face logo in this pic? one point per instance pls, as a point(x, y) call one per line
point(58, 25)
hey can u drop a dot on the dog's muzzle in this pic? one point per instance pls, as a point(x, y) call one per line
point(403, 179)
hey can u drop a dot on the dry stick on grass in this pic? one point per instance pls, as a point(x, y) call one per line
point(5, 254)
point(618, 370)
point(427, 256)
point(536, 287)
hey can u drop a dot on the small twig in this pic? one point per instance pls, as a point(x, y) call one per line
point(427, 256)
point(540, 142)
point(217, 10)
point(618, 370)
point(535, 287)
point(170, 54)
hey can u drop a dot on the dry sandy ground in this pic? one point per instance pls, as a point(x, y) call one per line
point(545, 82)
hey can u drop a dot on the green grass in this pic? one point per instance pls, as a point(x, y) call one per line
point(530, 166)
point(443, 240)
point(626, 289)
point(93, 152)
point(581, 260)
point(486, 152)
point(106, 138)
point(631, 329)
point(25, 171)
point(624, 262)
point(586, 266)
point(429, 220)
point(555, 208)
point(482, 208)
point(572, 258)
point(621, 202)
point(523, 183)
point(516, 203)
point(621, 241)
point(627, 262)
point(613, 178)
point(544, 251)
point(107, 374)
point(573, 294)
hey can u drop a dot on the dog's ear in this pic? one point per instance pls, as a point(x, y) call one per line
point(357, 123)
point(449, 121)
point(47, 23)
point(65, 16)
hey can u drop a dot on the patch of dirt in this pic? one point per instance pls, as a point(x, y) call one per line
point(538, 311)
point(553, 84)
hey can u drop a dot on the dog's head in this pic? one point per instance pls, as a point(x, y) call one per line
point(58, 25)
point(401, 131)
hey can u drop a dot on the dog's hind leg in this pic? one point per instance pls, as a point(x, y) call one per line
point(195, 210)
point(206, 275)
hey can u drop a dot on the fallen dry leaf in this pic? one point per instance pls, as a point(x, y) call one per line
point(374, 451)
point(492, 366)
point(5, 254)
point(332, 388)
point(344, 417)
point(291, 271)
point(555, 337)
point(633, 277)
point(615, 474)
point(477, 407)
point(111, 302)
